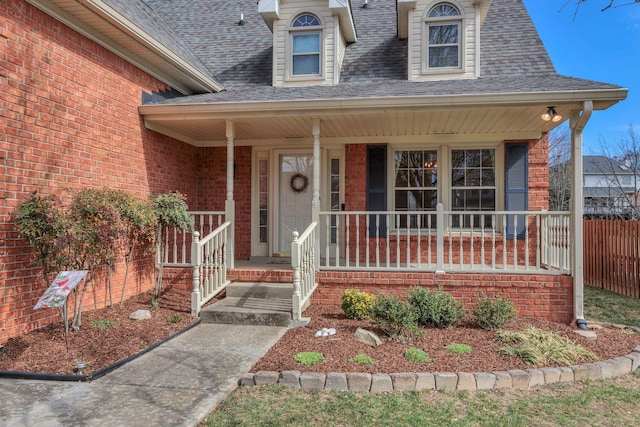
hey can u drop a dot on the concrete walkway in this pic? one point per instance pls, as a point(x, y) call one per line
point(176, 384)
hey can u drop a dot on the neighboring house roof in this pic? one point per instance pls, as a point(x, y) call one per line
point(607, 191)
point(601, 165)
point(513, 58)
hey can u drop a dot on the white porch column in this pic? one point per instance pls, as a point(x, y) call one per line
point(229, 204)
point(315, 203)
point(577, 123)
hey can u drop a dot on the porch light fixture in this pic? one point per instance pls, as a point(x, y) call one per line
point(552, 115)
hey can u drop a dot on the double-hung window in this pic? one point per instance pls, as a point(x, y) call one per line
point(416, 187)
point(443, 38)
point(306, 46)
point(473, 186)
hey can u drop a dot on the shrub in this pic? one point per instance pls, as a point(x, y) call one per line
point(176, 318)
point(308, 358)
point(396, 318)
point(362, 359)
point(357, 305)
point(494, 313)
point(537, 347)
point(459, 348)
point(416, 355)
point(436, 308)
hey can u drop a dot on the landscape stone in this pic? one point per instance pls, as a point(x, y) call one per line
point(566, 374)
point(312, 381)
point(580, 372)
point(425, 381)
point(594, 371)
point(635, 360)
point(290, 379)
point(336, 382)
point(551, 375)
point(587, 334)
point(367, 337)
point(446, 381)
point(466, 381)
point(140, 315)
point(520, 379)
point(359, 381)
point(503, 380)
point(536, 377)
point(266, 377)
point(404, 381)
point(246, 380)
point(606, 369)
point(622, 366)
point(485, 380)
point(381, 383)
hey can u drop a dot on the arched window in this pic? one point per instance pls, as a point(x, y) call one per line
point(306, 45)
point(443, 30)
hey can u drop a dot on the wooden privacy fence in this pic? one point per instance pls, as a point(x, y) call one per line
point(612, 256)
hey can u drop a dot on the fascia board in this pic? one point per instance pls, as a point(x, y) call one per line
point(270, 11)
point(342, 9)
point(187, 78)
point(402, 9)
point(602, 99)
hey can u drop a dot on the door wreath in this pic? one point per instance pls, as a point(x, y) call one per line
point(298, 183)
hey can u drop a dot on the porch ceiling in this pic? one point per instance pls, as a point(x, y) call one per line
point(205, 125)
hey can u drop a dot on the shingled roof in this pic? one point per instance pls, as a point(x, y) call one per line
point(513, 58)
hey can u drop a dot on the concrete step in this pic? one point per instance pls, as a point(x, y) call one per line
point(249, 311)
point(260, 290)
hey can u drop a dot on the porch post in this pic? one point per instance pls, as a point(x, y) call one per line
point(315, 203)
point(229, 204)
point(577, 123)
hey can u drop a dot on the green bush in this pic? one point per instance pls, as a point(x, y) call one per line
point(436, 308)
point(308, 358)
point(357, 305)
point(454, 347)
point(494, 313)
point(416, 355)
point(396, 318)
point(362, 359)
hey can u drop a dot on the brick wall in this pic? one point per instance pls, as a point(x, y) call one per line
point(69, 121)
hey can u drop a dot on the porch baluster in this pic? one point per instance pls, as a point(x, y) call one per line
point(195, 261)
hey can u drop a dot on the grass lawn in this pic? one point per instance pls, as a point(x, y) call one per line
point(593, 403)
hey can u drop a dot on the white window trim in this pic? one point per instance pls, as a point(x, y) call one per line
point(291, 31)
point(461, 21)
point(444, 171)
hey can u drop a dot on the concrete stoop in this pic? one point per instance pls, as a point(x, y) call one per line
point(264, 304)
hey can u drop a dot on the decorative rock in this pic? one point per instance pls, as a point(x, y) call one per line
point(566, 374)
point(594, 371)
point(446, 381)
point(484, 380)
point(635, 360)
point(580, 372)
point(359, 381)
point(425, 381)
point(140, 315)
point(404, 381)
point(606, 369)
point(336, 382)
point(266, 377)
point(622, 366)
point(594, 326)
point(466, 381)
point(587, 334)
point(367, 337)
point(312, 381)
point(503, 380)
point(381, 383)
point(520, 379)
point(290, 379)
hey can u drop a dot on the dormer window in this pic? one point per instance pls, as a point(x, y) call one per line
point(306, 46)
point(443, 38)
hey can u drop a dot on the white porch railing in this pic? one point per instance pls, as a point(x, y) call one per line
point(209, 261)
point(177, 243)
point(304, 270)
point(482, 241)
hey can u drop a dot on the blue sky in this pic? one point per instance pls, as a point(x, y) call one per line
point(600, 46)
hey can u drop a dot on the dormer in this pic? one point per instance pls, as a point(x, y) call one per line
point(309, 39)
point(443, 37)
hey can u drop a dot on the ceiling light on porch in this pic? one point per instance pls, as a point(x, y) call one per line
point(552, 115)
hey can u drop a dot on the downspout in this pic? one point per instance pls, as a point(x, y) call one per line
point(577, 123)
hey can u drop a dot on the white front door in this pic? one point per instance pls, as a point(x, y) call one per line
point(295, 196)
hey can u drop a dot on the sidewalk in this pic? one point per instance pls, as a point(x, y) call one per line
point(176, 384)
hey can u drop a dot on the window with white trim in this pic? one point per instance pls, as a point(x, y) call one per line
point(415, 186)
point(306, 46)
point(473, 185)
point(443, 48)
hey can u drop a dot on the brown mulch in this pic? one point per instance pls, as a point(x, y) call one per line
point(389, 357)
point(44, 350)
